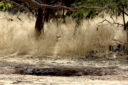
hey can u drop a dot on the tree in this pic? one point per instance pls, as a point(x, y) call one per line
point(49, 9)
point(78, 9)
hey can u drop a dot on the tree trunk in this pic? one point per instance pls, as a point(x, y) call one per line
point(39, 26)
point(127, 42)
point(125, 28)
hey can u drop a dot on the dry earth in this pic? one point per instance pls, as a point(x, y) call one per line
point(8, 76)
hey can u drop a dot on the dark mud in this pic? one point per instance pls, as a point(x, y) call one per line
point(71, 71)
point(63, 71)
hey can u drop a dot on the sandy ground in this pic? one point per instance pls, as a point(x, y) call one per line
point(18, 79)
point(47, 80)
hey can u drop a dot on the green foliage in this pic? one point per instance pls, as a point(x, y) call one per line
point(5, 6)
point(81, 14)
point(78, 15)
point(112, 7)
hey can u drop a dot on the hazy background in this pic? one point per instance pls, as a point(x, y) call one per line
point(17, 37)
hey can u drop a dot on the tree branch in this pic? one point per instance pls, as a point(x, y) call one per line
point(123, 11)
point(20, 6)
point(38, 5)
point(111, 22)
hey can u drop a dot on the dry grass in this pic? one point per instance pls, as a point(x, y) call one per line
point(17, 36)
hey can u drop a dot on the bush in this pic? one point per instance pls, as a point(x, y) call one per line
point(5, 6)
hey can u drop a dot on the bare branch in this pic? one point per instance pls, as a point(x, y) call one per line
point(19, 5)
point(106, 21)
point(123, 11)
point(111, 22)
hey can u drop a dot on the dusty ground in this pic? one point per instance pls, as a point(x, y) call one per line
point(8, 77)
point(47, 80)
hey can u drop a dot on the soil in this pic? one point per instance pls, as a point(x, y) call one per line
point(27, 70)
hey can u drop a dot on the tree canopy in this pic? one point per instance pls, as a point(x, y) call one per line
point(77, 9)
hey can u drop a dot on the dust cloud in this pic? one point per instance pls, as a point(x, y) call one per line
point(17, 36)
